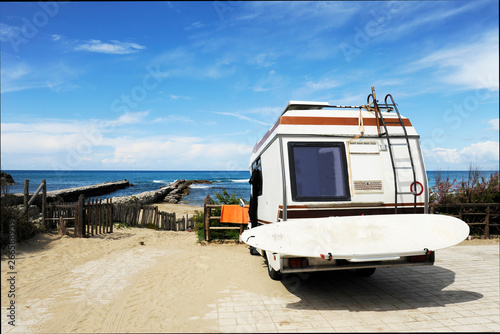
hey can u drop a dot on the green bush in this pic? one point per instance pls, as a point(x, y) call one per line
point(199, 224)
point(199, 218)
point(152, 226)
point(119, 225)
point(13, 219)
point(474, 189)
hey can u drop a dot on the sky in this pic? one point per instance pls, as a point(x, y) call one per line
point(194, 85)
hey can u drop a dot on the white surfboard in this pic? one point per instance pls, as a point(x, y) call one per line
point(359, 238)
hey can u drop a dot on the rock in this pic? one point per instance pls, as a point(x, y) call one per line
point(172, 193)
point(72, 194)
point(6, 178)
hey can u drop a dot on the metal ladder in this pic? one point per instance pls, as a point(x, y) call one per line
point(380, 119)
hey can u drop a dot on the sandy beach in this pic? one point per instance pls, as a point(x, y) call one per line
point(132, 280)
point(179, 209)
point(112, 283)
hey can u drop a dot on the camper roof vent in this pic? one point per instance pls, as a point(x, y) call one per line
point(305, 105)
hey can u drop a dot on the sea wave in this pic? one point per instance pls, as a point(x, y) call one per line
point(200, 186)
point(240, 181)
point(159, 181)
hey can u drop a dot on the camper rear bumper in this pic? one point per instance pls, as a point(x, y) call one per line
point(297, 264)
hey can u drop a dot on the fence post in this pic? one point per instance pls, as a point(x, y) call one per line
point(26, 194)
point(206, 214)
point(61, 227)
point(487, 221)
point(44, 201)
point(155, 216)
point(110, 215)
point(79, 216)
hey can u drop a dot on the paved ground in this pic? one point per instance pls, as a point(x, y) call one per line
point(460, 293)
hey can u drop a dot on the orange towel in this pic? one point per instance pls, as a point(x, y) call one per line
point(234, 214)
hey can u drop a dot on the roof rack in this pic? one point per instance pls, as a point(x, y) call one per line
point(311, 105)
point(305, 105)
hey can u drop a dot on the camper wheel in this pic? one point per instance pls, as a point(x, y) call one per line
point(365, 272)
point(253, 251)
point(275, 275)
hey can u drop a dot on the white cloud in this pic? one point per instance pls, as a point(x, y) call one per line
point(471, 66)
point(188, 62)
point(177, 97)
point(241, 117)
point(263, 59)
point(195, 25)
point(177, 153)
point(311, 87)
point(7, 32)
point(431, 14)
point(114, 47)
point(494, 124)
point(97, 144)
point(17, 75)
point(271, 81)
point(127, 118)
point(174, 119)
point(480, 154)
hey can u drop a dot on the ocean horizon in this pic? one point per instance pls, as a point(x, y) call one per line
point(234, 182)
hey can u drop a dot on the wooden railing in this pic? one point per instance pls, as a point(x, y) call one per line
point(463, 212)
point(28, 201)
point(91, 218)
point(207, 210)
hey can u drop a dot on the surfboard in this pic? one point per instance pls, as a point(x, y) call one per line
point(359, 238)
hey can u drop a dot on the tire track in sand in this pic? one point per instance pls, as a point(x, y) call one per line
point(97, 285)
point(127, 305)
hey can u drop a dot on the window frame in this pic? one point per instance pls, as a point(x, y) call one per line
point(293, 176)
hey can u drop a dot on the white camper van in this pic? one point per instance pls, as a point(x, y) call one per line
point(343, 187)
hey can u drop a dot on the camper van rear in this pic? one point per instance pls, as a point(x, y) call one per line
point(319, 163)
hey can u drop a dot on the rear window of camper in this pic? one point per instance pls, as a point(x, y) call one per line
point(318, 171)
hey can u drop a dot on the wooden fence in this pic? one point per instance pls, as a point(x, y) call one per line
point(207, 210)
point(60, 214)
point(98, 217)
point(91, 218)
point(471, 212)
point(28, 201)
point(144, 215)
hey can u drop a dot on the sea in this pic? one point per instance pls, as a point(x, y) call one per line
point(234, 182)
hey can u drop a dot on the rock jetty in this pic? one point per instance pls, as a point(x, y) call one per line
point(72, 194)
point(172, 193)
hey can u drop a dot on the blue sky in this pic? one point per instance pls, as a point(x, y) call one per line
point(193, 85)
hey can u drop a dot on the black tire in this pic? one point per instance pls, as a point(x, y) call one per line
point(253, 251)
point(275, 275)
point(365, 272)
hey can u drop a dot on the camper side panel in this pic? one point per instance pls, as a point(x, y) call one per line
point(272, 185)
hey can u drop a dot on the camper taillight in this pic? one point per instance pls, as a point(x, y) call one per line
point(422, 258)
point(298, 262)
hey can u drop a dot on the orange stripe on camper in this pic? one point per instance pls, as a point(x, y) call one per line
point(234, 214)
point(304, 120)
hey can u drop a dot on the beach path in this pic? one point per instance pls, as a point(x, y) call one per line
point(113, 283)
point(140, 280)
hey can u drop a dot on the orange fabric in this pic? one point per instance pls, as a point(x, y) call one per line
point(234, 214)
